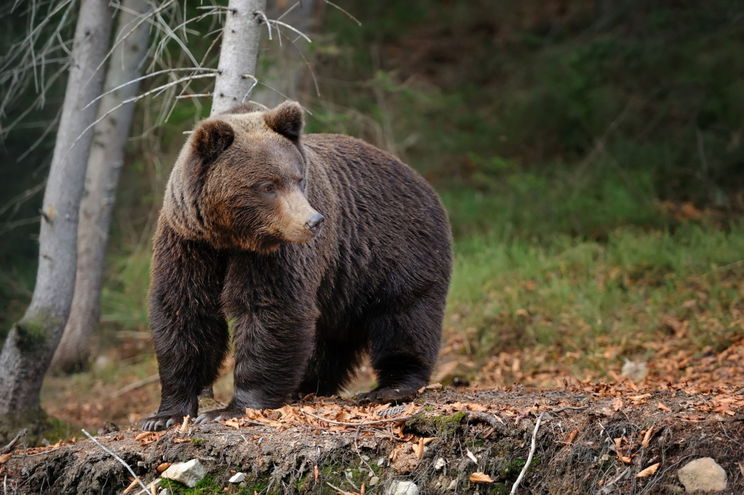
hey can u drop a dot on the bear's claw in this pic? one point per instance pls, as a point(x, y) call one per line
point(161, 421)
point(218, 414)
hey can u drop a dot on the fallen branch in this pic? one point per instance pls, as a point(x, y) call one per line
point(121, 461)
point(362, 423)
point(13, 442)
point(533, 446)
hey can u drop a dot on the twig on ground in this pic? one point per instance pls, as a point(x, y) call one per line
point(533, 446)
point(121, 461)
point(362, 423)
point(134, 386)
point(568, 408)
point(606, 488)
point(13, 442)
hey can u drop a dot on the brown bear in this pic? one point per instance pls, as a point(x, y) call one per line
point(318, 248)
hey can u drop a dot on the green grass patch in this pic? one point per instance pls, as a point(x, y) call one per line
point(583, 296)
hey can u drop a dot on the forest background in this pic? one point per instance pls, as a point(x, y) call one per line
point(589, 154)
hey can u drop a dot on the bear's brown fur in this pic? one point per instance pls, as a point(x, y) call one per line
point(318, 247)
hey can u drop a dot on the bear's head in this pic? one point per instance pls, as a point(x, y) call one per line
point(239, 181)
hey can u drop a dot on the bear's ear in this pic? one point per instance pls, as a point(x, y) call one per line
point(286, 119)
point(212, 138)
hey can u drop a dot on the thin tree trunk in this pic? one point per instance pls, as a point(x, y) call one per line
point(238, 53)
point(237, 65)
point(102, 177)
point(31, 342)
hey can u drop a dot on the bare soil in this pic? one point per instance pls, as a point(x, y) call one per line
point(591, 439)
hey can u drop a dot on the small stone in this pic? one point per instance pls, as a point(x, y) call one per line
point(635, 370)
point(439, 464)
point(374, 480)
point(189, 473)
point(402, 488)
point(452, 486)
point(380, 461)
point(237, 478)
point(702, 475)
point(165, 491)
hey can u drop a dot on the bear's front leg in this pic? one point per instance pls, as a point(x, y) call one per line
point(188, 328)
point(272, 349)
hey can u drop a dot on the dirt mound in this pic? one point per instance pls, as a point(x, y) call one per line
point(446, 441)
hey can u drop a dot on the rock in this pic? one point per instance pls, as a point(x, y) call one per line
point(402, 488)
point(635, 370)
point(237, 478)
point(702, 475)
point(439, 464)
point(189, 473)
point(165, 491)
point(374, 480)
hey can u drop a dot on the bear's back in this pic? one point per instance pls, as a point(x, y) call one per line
point(391, 230)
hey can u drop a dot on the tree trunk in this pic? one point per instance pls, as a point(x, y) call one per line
point(238, 54)
point(102, 177)
point(31, 342)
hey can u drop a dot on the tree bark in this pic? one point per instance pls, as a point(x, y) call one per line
point(238, 54)
point(31, 342)
point(102, 177)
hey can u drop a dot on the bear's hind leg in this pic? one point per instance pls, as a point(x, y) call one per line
point(404, 344)
point(330, 367)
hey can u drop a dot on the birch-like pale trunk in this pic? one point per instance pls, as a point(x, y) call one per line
point(30, 345)
point(238, 54)
point(102, 176)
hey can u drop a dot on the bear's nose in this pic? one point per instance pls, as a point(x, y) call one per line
point(314, 224)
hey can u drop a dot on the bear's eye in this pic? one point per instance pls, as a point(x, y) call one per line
point(269, 187)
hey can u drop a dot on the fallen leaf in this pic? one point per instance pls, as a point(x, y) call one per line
point(316, 473)
point(649, 471)
point(162, 467)
point(134, 484)
point(571, 436)
point(625, 459)
point(617, 404)
point(185, 425)
point(5, 458)
point(471, 456)
point(663, 407)
point(480, 478)
point(647, 437)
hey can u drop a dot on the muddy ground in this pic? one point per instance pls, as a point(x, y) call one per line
point(590, 440)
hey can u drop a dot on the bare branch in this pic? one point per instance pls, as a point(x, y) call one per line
point(157, 90)
point(533, 446)
point(359, 23)
point(119, 459)
point(152, 74)
point(292, 28)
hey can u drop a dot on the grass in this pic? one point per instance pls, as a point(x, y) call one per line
point(583, 297)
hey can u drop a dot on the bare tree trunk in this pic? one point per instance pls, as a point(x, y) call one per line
point(238, 53)
point(237, 65)
point(102, 177)
point(31, 342)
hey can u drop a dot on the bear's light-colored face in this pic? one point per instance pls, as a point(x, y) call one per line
point(244, 180)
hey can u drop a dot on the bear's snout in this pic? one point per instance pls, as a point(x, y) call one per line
point(315, 223)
